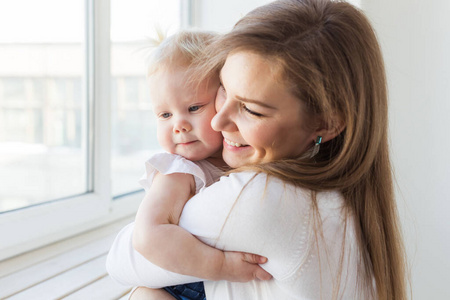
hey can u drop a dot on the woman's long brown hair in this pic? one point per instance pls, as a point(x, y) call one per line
point(332, 61)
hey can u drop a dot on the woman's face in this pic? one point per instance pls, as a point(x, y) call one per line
point(258, 116)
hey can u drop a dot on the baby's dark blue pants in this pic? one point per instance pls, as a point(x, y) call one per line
point(189, 291)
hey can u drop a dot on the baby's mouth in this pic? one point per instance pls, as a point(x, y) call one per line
point(186, 143)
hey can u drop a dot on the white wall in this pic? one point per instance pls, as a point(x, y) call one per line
point(415, 37)
point(219, 15)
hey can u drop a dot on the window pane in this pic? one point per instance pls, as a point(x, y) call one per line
point(133, 125)
point(42, 106)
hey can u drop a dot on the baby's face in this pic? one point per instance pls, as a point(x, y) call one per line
point(184, 115)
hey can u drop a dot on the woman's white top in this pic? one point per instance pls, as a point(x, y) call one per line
point(253, 213)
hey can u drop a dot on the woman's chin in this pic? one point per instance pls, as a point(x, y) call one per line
point(235, 161)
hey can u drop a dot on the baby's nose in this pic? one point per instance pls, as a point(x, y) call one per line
point(182, 126)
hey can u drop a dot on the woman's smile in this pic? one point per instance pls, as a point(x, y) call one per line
point(233, 144)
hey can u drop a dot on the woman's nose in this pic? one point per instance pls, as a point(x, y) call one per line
point(182, 126)
point(223, 120)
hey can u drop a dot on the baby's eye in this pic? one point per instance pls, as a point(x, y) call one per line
point(165, 115)
point(195, 108)
point(222, 88)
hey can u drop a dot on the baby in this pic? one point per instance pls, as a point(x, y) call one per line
point(184, 109)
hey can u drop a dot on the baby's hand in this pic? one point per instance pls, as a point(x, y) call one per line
point(243, 267)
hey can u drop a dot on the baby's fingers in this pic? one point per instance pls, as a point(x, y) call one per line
point(261, 274)
point(253, 258)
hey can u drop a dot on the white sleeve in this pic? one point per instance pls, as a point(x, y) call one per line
point(128, 267)
point(167, 163)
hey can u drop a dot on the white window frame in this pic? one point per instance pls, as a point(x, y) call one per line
point(32, 227)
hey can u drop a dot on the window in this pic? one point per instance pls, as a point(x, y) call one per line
point(133, 135)
point(42, 140)
point(75, 121)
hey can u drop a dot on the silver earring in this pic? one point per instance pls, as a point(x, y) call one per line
point(316, 146)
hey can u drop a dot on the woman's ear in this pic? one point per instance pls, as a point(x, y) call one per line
point(330, 128)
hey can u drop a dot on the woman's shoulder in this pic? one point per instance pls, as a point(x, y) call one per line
point(270, 182)
point(263, 186)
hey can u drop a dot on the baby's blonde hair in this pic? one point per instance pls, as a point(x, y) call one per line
point(179, 49)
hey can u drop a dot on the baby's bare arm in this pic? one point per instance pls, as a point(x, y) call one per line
point(158, 238)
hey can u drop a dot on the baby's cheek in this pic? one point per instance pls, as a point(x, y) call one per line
point(164, 140)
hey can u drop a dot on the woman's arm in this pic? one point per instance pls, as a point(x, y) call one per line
point(158, 238)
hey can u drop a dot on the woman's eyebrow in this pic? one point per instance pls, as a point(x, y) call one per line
point(243, 99)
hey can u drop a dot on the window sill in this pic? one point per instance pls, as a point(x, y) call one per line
point(71, 269)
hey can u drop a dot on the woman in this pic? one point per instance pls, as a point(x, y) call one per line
point(303, 112)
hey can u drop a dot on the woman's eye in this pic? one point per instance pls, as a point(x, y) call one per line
point(165, 115)
point(251, 111)
point(194, 108)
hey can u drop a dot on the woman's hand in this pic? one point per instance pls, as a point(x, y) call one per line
point(243, 267)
